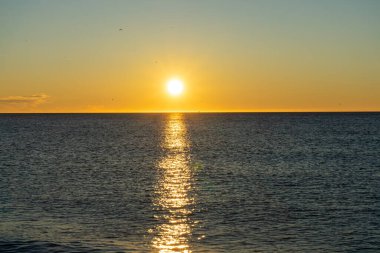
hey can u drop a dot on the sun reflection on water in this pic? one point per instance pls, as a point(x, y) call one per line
point(173, 199)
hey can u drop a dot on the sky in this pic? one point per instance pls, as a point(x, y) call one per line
point(251, 55)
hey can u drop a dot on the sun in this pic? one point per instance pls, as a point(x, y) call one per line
point(175, 87)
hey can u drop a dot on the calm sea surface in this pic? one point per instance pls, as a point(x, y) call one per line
point(301, 182)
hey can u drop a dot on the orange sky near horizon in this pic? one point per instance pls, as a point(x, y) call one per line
point(259, 56)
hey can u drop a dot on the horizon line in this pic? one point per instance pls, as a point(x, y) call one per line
point(192, 112)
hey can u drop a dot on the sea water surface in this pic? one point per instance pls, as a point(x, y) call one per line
point(287, 182)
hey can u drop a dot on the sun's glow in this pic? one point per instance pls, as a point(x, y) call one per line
point(175, 87)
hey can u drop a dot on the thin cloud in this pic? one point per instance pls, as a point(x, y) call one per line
point(33, 99)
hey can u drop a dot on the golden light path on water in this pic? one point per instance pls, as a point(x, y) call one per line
point(173, 198)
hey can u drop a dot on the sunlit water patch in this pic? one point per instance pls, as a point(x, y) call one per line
point(173, 199)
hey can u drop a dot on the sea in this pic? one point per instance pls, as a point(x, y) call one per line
point(191, 182)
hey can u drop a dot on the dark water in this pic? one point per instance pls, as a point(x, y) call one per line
point(190, 183)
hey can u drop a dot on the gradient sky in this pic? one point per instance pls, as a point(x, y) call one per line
point(295, 55)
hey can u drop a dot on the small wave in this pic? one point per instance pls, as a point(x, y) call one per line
point(41, 247)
